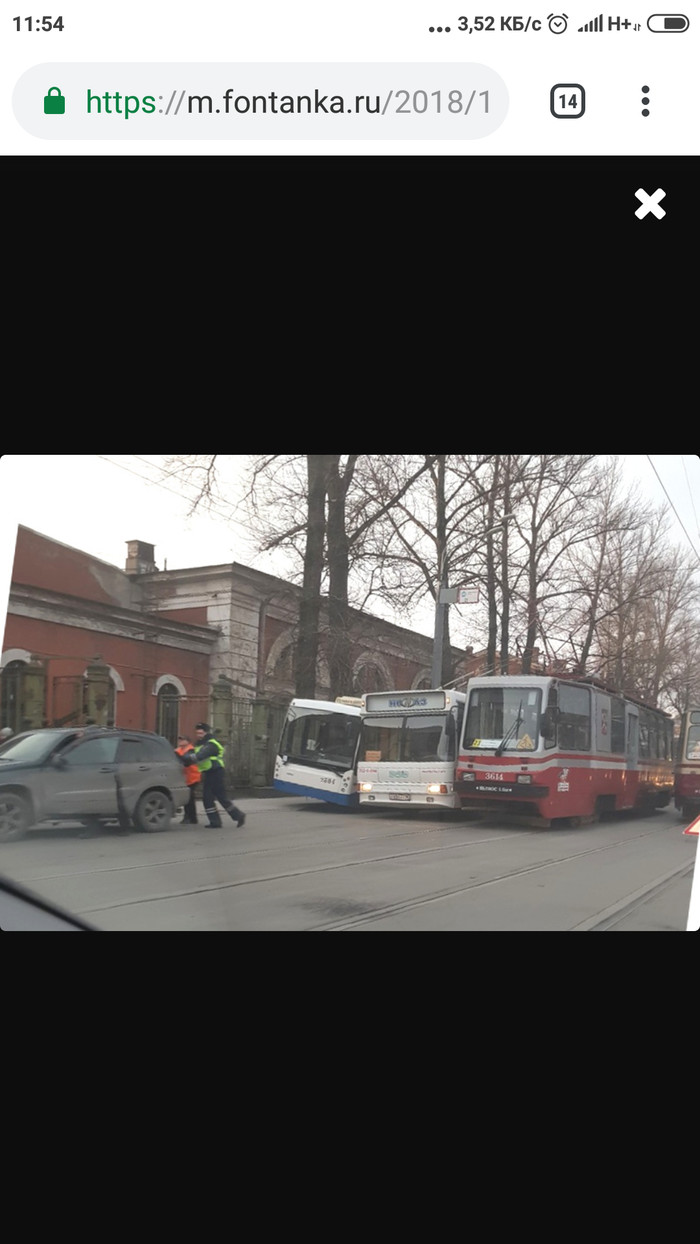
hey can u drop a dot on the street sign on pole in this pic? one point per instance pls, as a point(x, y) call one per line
point(467, 595)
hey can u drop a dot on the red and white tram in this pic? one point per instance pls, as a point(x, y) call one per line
point(560, 747)
point(686, 788)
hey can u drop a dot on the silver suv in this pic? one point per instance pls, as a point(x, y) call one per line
point(89, 775)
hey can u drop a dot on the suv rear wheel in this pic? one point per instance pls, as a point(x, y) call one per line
point(154, 812)
point(15, 816)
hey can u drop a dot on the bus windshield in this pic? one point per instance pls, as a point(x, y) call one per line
point(325, 740)
point(408, 738)
point(498, 713)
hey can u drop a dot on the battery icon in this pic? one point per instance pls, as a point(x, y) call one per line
point(668, 23)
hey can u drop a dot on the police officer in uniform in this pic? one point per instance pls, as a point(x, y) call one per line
point(209, 757)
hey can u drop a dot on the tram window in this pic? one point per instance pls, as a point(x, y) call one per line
point(574, 718)
point(692, 749)
point(647, 735)
point(549, 720)
point(617, 727)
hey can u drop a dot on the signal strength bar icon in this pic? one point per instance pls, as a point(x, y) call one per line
point(595, 25)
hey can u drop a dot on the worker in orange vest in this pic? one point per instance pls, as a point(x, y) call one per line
point(192, 778)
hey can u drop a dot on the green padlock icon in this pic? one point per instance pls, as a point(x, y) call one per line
point(54, 103)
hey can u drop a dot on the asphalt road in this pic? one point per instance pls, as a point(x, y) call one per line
point(299, 865)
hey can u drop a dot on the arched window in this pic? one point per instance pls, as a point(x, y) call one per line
point(284, 669)
point(369, 677)
point(168, 712)
point(423, 683)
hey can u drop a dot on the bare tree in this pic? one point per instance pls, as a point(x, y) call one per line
point(326, 520)
point(431, 536)
point(581, 569)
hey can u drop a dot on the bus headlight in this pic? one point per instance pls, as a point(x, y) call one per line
point(437, 789)
point(365, 787)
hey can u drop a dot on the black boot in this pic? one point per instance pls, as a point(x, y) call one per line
point(236, 815)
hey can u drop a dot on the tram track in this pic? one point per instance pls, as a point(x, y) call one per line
point(368, 860)
point(611, 916)
point(601, 918)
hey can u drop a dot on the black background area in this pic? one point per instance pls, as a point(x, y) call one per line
point(357, 283)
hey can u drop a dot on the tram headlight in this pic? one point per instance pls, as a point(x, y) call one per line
point(466, 777)
point(524, 777)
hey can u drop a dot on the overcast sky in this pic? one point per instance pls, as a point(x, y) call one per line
point(98, 502)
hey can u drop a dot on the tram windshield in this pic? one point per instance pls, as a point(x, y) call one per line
point(503, 717)
point(692, 746)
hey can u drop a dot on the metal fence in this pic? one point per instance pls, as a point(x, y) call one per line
point(251, 739)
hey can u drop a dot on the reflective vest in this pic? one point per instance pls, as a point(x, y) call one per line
point(211, 761)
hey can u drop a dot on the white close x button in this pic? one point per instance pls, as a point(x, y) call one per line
point(650, 203)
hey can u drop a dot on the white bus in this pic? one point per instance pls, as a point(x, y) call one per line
point(317, 752)
point(409, 741)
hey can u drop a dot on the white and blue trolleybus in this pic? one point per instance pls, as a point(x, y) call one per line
point(317, 753)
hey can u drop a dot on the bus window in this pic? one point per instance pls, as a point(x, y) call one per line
point(574, 718)
point(426, 739)
point(381, 737)
point(337, 739)
point(313, 738)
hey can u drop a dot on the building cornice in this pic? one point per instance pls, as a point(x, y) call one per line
point(58, 607)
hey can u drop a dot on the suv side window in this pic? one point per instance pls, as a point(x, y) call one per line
point(141, 751)
point(92, 752)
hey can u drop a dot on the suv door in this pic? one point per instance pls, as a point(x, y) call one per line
point(82, 779)
point(144, 763)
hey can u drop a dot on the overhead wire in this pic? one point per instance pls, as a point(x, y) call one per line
point(675, 511)
point(690, 495)
point(244, 527)
point(159, 484)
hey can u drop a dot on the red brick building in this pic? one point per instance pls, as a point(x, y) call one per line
point(161, 649)
point(81, 642)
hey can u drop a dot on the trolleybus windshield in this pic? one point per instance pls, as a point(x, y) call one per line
point(320, 738)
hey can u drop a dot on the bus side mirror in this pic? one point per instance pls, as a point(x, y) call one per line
point(549, 724)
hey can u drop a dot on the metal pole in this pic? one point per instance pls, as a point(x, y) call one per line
point(441, 605)
point(436, 675)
